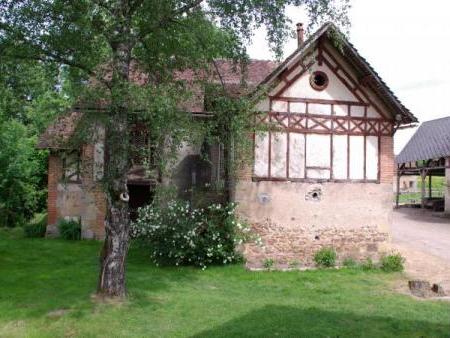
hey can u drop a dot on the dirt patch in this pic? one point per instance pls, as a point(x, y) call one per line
point(57, 313)
point(424, 266)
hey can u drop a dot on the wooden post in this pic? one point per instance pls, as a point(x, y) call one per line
point(423, 175)
point(429, 186)
point(397, 193)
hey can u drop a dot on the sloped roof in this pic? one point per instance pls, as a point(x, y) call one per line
point(58, 133)
point(360, 64)
point(60, 130)
point(430, 141)
point(258, 73)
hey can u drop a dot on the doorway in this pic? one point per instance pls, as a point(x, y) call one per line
point(140, 195)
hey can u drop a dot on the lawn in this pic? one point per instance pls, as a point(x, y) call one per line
point(46, 288)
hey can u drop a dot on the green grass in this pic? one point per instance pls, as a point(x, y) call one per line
point(39, 276)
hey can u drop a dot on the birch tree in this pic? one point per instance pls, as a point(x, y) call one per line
point(103, 39)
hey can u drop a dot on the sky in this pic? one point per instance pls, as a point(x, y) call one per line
point(407, 42)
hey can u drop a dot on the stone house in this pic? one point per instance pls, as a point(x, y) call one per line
point(322, 172)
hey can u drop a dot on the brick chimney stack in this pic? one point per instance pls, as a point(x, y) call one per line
point(300, 34)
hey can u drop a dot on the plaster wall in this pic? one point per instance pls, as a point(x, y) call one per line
point(334, 91)
point(447, 188)
point(342, 205)
point(75, 202)
point(295, 219)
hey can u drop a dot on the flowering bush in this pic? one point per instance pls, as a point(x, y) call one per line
point(180, 235)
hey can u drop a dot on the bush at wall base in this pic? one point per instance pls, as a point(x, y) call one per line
point(325, 257)
point(36, 227)
point(178, 234)
point(69, 229)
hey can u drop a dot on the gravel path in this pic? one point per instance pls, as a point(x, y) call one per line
point(424, 240)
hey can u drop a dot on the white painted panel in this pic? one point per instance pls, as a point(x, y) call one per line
point(298, 107)
point(371, 112)
point(335, 90)
point(340, 109)
point(372, 157)
point(296, 155)
point(278, 154)
point(349, 80)
point(261, 168)
point(340, 156)
point(263, 105)
point(357, 111)
point(357, 157)
point(294, 73)
point(277, 88)
point(322, 109)
point(99, 156)
point(279, 106)
point(330, 60)
point(317, 150)
point(318, 173)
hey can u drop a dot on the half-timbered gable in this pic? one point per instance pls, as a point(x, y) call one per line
point(323, 124)
point(322, 172)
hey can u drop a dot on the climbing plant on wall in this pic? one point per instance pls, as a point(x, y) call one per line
point(109, 42)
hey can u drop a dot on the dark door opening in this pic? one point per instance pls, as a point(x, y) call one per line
point(140, 195)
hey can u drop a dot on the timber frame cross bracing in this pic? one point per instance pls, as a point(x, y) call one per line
point(332, 124)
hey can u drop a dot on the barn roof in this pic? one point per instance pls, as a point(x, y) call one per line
point(430, 141)
point(56, 135)
point(360, 64)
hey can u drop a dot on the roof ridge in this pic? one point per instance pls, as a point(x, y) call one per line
point(439, 118)
point(358, 62)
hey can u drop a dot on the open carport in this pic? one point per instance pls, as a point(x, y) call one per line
point(427, 155)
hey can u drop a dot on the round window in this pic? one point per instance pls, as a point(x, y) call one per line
point(318, 80)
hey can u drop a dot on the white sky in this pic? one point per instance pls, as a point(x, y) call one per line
point(407, 42)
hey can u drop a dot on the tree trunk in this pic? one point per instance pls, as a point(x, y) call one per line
point(112, 272)
point(111, 281)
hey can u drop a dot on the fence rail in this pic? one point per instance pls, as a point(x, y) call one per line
point(414, 196)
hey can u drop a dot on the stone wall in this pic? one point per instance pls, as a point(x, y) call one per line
point(296, 219)
point(287, 245)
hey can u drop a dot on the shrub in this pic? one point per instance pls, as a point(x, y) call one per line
point(349, 262)
point(325, 257)
point(37, 226)
point(268, 263)
point(69, 229)
point(177, 234)
point(368, 264)
point(392, 262)
point(294, 264)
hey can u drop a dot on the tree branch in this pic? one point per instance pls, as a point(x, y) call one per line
point(187, 7)
point(169, 18)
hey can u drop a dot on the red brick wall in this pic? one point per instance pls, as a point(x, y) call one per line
point(245, 168)
point(95, 189)
point(54, 175)
point(387, 164)
point(100, 201)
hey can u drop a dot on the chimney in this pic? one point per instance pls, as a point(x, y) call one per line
point(300, 34)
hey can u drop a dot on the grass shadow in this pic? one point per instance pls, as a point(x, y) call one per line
point(289, 321)
point(39, 275)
